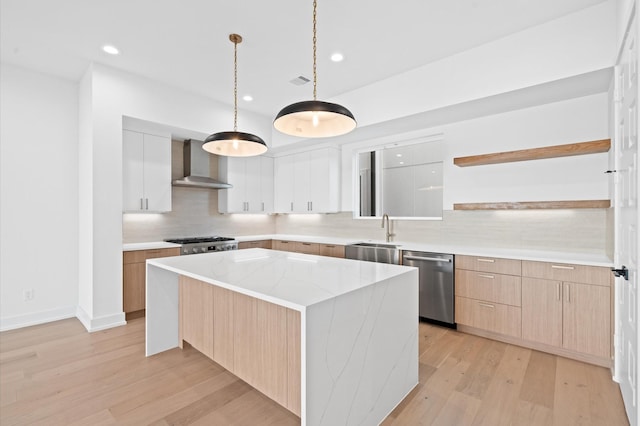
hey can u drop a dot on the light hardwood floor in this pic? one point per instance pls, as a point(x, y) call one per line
point(58, 374)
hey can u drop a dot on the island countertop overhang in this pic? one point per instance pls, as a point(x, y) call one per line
point(292, 280)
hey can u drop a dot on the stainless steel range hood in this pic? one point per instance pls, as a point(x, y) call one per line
point(196, 168)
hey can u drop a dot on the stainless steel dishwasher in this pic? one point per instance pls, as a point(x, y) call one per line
point(435, 272)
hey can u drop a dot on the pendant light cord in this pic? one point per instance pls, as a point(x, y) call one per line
point(315, 74)
point(235, 85)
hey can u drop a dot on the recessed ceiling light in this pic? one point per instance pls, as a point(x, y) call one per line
point(402, 162)
point(111, 50)
point(247, 98)
point(337, 57)
point(398, 155)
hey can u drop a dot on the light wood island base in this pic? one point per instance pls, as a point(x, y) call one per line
point(334, 341)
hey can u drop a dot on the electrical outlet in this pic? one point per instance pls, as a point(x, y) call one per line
point(28, 294)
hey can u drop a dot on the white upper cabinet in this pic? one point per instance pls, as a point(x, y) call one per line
point(146, 170)
point(308, 182)
point(252, 180)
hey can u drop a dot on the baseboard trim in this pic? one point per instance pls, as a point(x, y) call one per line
point(100, 323)
point(35, 318)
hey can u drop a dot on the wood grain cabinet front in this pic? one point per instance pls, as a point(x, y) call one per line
point(488, 294)
point(332, 250)
point(567, 306)
point(134, 277)
point(256, 340)
point(265, 244)
point(554, 307)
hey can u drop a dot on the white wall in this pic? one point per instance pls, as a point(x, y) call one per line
point(38, 197)
point(111, 95)
point(575, 44)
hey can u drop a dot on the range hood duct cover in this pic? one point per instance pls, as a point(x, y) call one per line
point(196, 168)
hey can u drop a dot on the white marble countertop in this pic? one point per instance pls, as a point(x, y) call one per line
point(149, 246)
point(590, 259)
point(293, 280)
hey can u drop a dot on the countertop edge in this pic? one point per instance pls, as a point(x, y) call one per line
point(149, 246)
point(588, 259)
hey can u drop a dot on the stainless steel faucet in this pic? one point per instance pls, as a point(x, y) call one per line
point(389, 234)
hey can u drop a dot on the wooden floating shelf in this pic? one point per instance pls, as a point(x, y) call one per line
point(531, 205)
point(568, 150)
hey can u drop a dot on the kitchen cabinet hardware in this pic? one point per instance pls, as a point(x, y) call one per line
point(487, 305)
point(486, 260)
point(559, 291)
point(141, 204)
point(554, 151)
point(571, 268)
point(491, 277)
point(567, 288)
point(430, 259)
point(146, 201)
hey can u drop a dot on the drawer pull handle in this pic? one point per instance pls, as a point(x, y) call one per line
point(486, 260)
point(306, 244)
point(486, 276)
point(558, 286)
point(570, 268)
point(568, 293)
point(327, 246)
point(486, 305)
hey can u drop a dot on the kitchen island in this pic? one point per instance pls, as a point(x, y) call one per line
point(333, 340)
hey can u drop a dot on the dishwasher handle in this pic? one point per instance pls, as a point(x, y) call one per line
point(430, 259)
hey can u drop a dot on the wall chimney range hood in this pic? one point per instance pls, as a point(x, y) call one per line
point(196, 168)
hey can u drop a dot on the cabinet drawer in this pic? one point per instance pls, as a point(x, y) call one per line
point(595, 275)
point(308, 248)
point(266, 244)
point(505, 289)
point(283, 245)
point(489, 264)
point(494, 317)
point(332, 250)
point(137, 256)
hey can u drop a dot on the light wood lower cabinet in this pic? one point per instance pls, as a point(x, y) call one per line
point(283, 245)
point(542, 311)
point(307, 248)
point(256, 340)
point(490, 316)
point(265, 244)
point(558, 308)
point(573, 316)
point(332, 250)
point(134, 272)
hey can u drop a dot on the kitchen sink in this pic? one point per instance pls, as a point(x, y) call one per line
point(373, 252)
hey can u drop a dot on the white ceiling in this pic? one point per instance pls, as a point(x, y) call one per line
point(185, 43)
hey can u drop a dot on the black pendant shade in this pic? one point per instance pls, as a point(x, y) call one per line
point(314, 119)
point(234, 144)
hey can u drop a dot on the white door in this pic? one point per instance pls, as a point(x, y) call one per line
point(626, 222)
point(132, 171)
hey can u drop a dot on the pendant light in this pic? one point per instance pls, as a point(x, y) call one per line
point(314, 119)
point(235, 144)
